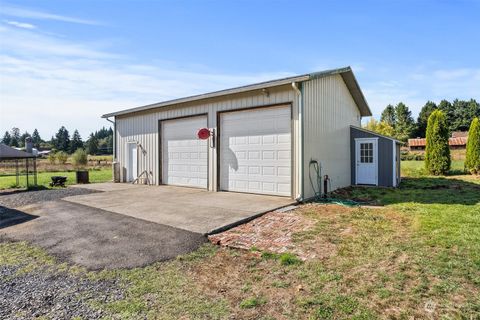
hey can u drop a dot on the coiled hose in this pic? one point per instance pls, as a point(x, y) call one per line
point(317, 171)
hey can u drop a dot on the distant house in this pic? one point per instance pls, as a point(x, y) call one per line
point(457, 141)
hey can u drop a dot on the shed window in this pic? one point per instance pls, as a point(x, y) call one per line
point(366, 152)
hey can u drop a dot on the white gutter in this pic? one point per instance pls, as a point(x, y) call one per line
point(300, 196)
point(114, 142)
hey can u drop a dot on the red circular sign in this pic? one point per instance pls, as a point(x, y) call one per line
point(203, 133)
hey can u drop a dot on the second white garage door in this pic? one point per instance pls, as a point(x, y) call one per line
point(184, 156)
point(255, 151)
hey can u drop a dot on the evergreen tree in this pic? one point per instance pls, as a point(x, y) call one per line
point(15, 137)
point(62, 140)
point(437, 152)
point(388, 116)
point(36, 139)
point(422, 119)
point(76, 142)
point(24, 136)
point(447, 108)
point(472, 161)
point(7, 138)
point(92, 144)
point(404, 123)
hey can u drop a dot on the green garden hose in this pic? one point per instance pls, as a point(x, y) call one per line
point(315, 166)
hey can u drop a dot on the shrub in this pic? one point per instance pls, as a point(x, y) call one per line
point(52, 158)
point(437, 152)
point(289, 259)
point(80, 158)
point(472, 160)
point(62, 157)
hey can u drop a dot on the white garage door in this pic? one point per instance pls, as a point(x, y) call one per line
point(184, 156)
point(255, 151)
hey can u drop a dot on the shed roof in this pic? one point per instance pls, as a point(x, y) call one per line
point(376, 134)
point(9, 153)
point(346, 73)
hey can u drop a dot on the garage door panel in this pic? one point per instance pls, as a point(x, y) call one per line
point(255, 151)
point(184, 156)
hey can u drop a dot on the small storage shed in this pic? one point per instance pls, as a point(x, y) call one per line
point(263, 137)
point(375, 158)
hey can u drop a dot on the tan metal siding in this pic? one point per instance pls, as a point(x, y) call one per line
point(143, 127)
point(329, 110)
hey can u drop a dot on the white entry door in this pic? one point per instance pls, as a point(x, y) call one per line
point(184, 156)
point(255, 151)
point(366, 161)
point(132, 171)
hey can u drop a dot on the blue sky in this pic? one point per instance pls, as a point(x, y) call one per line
point(68, 62)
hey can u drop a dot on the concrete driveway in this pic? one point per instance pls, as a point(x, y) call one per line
point(190, 209)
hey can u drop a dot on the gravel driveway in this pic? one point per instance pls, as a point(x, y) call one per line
point(21, 198)
point(52, 294)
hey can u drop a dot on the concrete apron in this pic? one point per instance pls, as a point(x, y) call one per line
point(191, 209)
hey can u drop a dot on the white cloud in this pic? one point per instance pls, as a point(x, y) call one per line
point(41, 15)
point(23, 25)
point(46, 82)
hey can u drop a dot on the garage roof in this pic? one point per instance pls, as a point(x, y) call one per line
point(346, 74)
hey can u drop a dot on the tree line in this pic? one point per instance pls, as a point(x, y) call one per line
point(397, 121)
point(98, 142)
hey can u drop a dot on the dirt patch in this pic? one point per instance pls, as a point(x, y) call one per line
point(244, 276)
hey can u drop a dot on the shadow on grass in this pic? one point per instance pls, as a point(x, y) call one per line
point(10, 217)
point(427, 190)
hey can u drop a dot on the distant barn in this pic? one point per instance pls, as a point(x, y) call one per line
point(458, 141)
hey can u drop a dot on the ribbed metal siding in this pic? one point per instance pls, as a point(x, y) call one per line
point(143, 127)
point(329, 110)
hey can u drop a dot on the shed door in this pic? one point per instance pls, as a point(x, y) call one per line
point(366, 161)
point(184, 156)
point(255, 151)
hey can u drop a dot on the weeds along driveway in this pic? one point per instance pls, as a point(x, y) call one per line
point(96, 238)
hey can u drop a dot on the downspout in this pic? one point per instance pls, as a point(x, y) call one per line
point(114, 138)
point(299, 91)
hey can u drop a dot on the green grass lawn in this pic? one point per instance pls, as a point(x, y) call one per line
point(416, 256)
point(411, 168)
point(44, 178)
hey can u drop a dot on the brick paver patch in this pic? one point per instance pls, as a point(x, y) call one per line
point(271, 232)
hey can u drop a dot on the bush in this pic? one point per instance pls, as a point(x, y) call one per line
point(62, 157)
point(52, 158)
point(80, 158)
point(437, 152)
point(472, 160)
